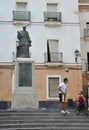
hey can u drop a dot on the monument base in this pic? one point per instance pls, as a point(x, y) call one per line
point(21, 99)
point(24, 94)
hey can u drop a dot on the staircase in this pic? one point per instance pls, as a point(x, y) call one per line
point(42, 119)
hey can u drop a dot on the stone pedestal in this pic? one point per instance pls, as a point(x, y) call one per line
point(24, 94)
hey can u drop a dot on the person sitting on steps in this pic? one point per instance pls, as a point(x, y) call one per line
point(80, 101)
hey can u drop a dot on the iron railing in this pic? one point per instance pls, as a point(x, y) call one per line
point(83, 1)
point(87, 66)
point(86, 32)
point(21, 15)
point(53, 57)
point(52, 16)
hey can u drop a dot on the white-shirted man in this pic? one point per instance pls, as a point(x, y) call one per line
point(62, 95)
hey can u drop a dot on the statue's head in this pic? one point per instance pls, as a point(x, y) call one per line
point(24, 28)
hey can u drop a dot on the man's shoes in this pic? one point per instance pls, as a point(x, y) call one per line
point(67, 111)
point(77, 113)
point(63, 112)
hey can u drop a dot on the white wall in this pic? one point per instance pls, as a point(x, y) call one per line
point(6, 8)
point(68, 33)
point(84, 17)
point(69, 9)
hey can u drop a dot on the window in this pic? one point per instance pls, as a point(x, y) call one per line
point(52, 50)
point(52, 16)
point(86, 31)
point(21, 15)
point(21, 6)
point(52, 7)
point(87, 24)
point(53, 55)
point(53, 83)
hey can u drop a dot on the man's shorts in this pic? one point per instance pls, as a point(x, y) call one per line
point(62, 97)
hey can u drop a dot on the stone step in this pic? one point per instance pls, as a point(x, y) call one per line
point(33, 112)
point(35, 117)
point(42, 120)
point(53, 112)
point(48, 128)
point(71, 115)
point(44, 125)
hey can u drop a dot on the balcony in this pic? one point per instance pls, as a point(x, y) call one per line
point(86, 33)
point(87, 67)
point(53, 58)
point(21, 17)
point(52, 18)
point(83, 1)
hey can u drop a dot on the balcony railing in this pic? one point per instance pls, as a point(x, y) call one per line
point(86, 32)
point(53, 57)
point(83, 1)
point(52, 16)
point(87, 67)
point(21, 15)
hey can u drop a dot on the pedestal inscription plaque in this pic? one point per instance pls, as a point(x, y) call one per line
point(25, 75)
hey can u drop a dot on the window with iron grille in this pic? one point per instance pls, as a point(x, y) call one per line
point(53, 83)
point(52, 50)
point(52, 14)
point(21, 13)
point(87, 24)
point(86, 30)
point(83, 1)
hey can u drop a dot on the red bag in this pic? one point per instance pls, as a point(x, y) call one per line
point(81, 99)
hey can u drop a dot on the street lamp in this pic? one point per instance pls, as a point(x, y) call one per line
point(76, 55)
point(13, 56)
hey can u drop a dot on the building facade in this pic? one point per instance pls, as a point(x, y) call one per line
point(53, 26)
point(84, 41)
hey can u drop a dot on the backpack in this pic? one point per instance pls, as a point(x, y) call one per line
point(81, 99)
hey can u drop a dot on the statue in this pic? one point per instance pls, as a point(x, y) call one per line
point(24, 43)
